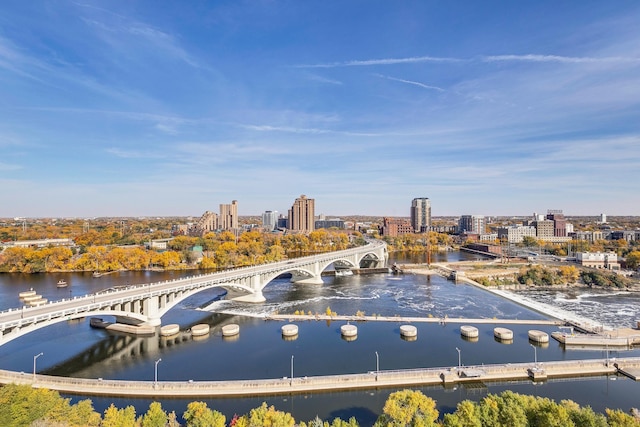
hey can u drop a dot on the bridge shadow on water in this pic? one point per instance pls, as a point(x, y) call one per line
point(120, 345)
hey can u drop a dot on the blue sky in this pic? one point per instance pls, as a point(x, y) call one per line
point(156, 108)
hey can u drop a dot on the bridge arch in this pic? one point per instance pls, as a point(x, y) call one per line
point(147, 303)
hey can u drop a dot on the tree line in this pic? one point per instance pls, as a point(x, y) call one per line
point(546, 276)
point(218, 251)
point(22, 405)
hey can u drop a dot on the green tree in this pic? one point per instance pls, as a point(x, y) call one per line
point(408, 408)
point(266, 416)
point(633, 260)
point(466, 415)
point(199, 415)
point(154, 417)
point(114, 417)
point(529, 242)
point(83, 414)
point(583, 417)
point(617, 418)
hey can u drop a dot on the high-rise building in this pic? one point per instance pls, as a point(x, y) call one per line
point(302, 215)
point(471, 224)
point(559, 223)
point(229, 216)
point(544, 230)
point(421, 214)
point(269, 220)
point(207, 223)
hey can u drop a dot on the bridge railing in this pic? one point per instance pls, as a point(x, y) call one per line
point(200, 280)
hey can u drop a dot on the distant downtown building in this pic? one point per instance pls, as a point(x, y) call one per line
point(471, 224)
point(302, 215)
point(207, 223)
point(395, 227)
point(516, 233)
point(329, 223)
point(270, 220)
point(421, 214)
point(229, 216)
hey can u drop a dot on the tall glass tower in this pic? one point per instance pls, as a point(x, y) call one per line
point(421, 214)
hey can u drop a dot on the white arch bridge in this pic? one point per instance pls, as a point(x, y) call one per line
point(145, 304)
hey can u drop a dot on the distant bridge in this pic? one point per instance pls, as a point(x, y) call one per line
point(145, 304)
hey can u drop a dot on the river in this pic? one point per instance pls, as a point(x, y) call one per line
point(74, 349)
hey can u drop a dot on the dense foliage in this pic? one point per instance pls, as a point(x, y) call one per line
point(603, 279)
point(219, 251)
point(547, 276)
point(22, 405)
point(418, 242)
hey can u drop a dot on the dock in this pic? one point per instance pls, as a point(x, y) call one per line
point(440, 376)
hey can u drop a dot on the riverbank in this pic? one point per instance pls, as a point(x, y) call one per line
point(581, 322)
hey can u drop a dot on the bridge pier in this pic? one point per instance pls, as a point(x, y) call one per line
point(313, 277)
point(255, 297)
point(151, 309)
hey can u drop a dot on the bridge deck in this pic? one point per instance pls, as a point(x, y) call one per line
point(397, 378)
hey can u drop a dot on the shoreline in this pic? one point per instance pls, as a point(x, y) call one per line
point(542, 308)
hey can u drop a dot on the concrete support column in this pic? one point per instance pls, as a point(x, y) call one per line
point(315, 279)
point(151, 308)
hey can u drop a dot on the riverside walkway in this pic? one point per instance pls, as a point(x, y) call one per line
point(368, 380)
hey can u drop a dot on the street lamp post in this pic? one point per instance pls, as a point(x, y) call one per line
point(291, 381)
point(377, 365)
point(459, 358)
point(535, 355)
point(34, 364)
point(155, 372)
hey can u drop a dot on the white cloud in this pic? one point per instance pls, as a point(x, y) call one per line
point(422, 85)
point(387, 61)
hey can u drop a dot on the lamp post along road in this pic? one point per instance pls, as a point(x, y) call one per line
point(34, 364)
point(535, 355)
point(155, 372)
point(459, 358)
point(291, 382)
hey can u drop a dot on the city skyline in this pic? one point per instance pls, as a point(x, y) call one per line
point(168, 109)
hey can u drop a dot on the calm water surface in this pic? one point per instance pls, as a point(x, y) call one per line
point(74, 349)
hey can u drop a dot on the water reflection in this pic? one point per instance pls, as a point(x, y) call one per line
point(260, 350)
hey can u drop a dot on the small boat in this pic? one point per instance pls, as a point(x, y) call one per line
point(96, 274)
point(61, 284)
point(26, 294)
